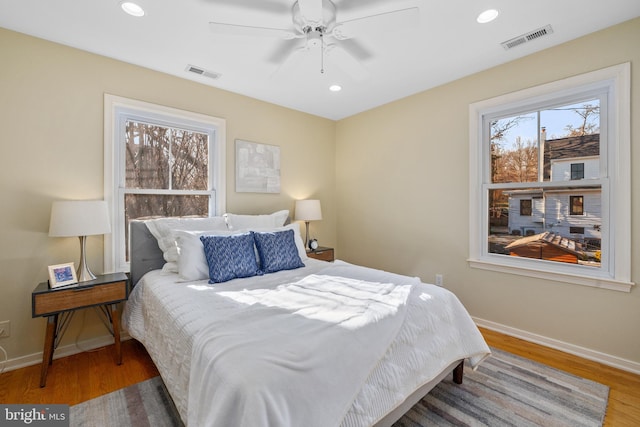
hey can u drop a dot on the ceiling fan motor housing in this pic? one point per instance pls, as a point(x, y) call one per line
point(314, 37)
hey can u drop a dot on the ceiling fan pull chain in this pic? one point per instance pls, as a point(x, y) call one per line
point(321, 51)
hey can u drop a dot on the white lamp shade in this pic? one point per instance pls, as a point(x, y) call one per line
point(74, 218)
point(308, 210)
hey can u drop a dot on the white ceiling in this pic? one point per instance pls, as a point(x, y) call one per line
point(447, 44)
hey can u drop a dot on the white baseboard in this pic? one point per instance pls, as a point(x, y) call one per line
point(67, 350)
point(596, 356)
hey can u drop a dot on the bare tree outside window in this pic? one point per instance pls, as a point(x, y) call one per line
point(169, 161)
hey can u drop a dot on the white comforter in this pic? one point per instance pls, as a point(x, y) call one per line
point(261, 352)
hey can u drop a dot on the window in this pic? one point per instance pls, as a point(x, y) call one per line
point(525, 207)
point(539, 141)
point(576, 230)
point(159, 161)
point(576, 206)
point(577, 171)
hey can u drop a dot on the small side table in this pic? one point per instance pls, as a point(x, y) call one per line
point(59, 305)
point(322, 253)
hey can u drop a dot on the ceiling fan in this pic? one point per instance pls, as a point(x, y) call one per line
point(315, 28)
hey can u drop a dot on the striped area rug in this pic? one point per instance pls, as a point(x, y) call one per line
point(506, 390)
point(146, 404)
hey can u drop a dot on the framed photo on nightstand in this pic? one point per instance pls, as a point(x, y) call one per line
point(62, 275)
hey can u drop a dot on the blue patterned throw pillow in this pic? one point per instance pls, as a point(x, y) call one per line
point(230, 257)
point(277, 251)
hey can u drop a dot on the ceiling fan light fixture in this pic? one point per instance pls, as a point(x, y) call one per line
point(314, 37)
point(132, 9)
point(335, 88)
point(487, 16)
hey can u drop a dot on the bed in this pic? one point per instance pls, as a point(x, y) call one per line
point(321, 344)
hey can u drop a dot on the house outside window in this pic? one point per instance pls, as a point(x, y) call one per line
point(159, 161)
point(577, 171)
point(528, 144)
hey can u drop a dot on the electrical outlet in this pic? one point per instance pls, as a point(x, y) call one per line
point(439, 280)
point(5, 329)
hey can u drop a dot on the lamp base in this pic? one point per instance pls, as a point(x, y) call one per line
point(83, 272)
point(306, 237)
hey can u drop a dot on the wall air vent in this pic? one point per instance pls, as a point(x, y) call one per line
point(527, 37)
point(202, 72)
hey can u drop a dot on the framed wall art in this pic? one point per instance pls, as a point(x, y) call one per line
point(257, 167)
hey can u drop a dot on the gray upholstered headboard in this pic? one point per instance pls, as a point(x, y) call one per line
point(144, 253)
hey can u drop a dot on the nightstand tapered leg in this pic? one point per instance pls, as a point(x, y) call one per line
point(115, 323)
point(49, 342)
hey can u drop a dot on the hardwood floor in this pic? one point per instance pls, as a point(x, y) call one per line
point(84, 376)
point(80, 377)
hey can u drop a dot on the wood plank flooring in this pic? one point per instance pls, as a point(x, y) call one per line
point(84, 376)
point(80, 377)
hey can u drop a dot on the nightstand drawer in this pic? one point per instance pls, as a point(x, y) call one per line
point(68, 299)
point(322, 253)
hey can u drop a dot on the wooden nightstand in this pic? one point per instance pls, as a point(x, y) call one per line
point(322, 253)
point(104, 292)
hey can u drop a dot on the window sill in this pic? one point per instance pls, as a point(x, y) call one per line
point(595, 282)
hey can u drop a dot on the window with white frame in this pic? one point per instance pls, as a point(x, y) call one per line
point(541, 141)
point(159, 161)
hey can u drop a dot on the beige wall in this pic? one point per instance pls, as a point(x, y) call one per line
point(51, 135)
point(402, 174)
point(393, 181)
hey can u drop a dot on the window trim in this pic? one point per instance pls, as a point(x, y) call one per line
point(217, 156)
point(614, 274)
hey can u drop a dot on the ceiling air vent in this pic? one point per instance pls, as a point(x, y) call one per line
point(530, 36)
point(202, 72)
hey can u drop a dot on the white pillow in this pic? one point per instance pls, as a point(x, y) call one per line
point(192, 262)
point(163, 229)
point(238, 222)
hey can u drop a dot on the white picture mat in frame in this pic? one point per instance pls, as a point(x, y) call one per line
point(257, 167)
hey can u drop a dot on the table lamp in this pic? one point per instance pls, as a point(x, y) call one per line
point(308, 210)
point(80, 218)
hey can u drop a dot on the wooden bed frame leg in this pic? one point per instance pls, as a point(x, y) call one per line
point(458, 372)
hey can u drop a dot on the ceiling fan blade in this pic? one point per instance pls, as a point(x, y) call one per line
point(291, 63)
point(384, 22)
point(311, 11)
point(346, 62)
point(276, 7)
point(283, 51)
point(246, 30)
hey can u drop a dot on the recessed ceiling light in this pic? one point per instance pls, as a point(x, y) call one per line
point(335, 88)
point(132, 8)
point(487, 16)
